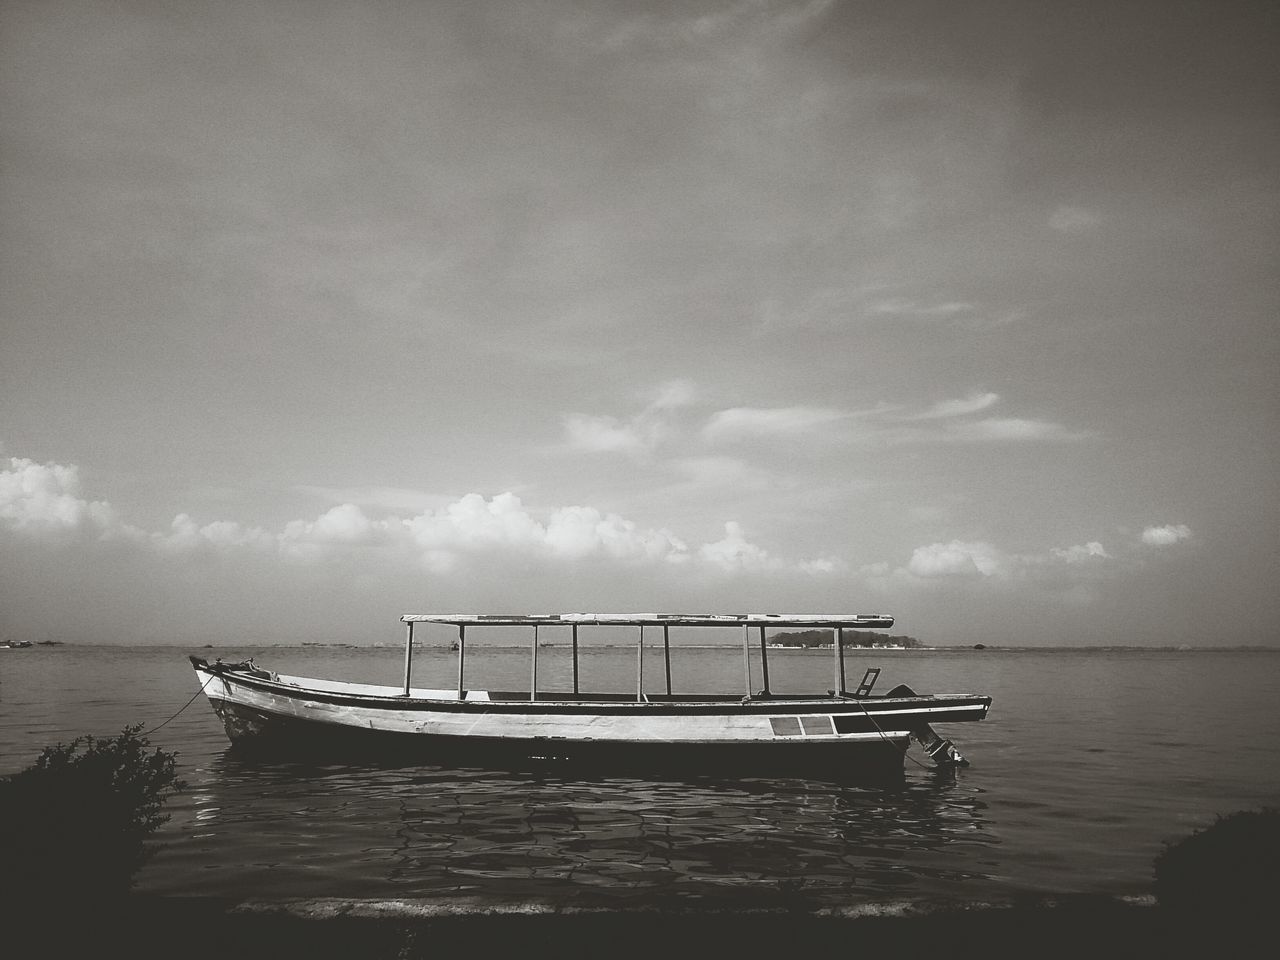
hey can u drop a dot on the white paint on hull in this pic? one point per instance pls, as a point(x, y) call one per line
point(653, 723)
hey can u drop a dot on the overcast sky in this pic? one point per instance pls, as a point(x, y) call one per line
point(313, 314)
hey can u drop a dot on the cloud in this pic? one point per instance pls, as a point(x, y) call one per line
point(978, 559)
point(749, 23)
point(337, 532)
point(185, 536)
point(741, 422)
point(472, 522)
point(1074, 220)
point(945, 421)
point(673, 394)
point(946, 310)
point(475, 531)
point(959, 558)
point(958, 408)
point(42, 501)
point(823, 566)
point(405, 499)
point(597, 434)
point(1166, 535)
point(1012, 429)
point(735, 552)
point(1081, 553)
point(585, 531)
point(715, 471)
point(637, 437)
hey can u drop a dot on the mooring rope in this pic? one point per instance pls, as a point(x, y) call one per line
point(180, 709)
point(885, 736)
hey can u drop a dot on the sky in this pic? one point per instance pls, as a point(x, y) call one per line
point(315, 314)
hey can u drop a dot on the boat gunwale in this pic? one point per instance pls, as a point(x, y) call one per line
point(726, 704)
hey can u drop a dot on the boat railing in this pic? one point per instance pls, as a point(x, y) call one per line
point(748, 622)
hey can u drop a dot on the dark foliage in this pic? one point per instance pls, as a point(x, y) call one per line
point(1230, 867)
point(74, 823)
point(852, 639)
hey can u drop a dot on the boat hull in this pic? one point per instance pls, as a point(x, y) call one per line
point(264, 735)
point(828, 736)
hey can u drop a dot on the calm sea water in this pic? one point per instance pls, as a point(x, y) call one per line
point(1089, 762)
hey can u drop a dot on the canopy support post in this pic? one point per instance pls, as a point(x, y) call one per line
point(839, 664)
point(666, 653)
point(640, 665)
point(575, 659)
point(462, 652)
point(408, 656)
point(764, 660)
point(533, 669)
point(746, 657)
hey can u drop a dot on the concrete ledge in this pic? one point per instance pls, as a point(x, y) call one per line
point(354, 929)
point(413, 909)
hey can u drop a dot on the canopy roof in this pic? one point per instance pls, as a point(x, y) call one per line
point(856, 620)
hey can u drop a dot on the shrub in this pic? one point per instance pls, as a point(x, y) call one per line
point(75, 822)
point(1232, 866)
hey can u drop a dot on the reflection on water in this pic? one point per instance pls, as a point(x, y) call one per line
point(359, 830)
point(1090, 762)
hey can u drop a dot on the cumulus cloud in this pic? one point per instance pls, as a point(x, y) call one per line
point(585, 531)
point(341, 528)
point(474, 522)
point(823, 566)
point(959, 558)
point(473, 525)
point(345, 523)
point(741, 422)
point(735, 552)
point(1165, 536)
point(978, 559)
point(42, 501)
point(875, 571)
point(185, 536)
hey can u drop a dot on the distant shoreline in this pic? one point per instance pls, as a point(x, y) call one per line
point(650, 644)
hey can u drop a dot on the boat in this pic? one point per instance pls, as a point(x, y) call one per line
point(15, 645)
point(757, 731)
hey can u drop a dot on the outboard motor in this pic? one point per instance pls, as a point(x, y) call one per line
point(941, 752)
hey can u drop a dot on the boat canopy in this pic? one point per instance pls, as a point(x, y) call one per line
point(853, 620)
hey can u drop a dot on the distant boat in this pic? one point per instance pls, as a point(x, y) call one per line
point(833, 733)
point(15, 645)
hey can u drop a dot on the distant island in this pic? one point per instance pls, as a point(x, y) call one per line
point(852, 638)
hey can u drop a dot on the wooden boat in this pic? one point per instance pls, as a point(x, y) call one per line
point(759, 731)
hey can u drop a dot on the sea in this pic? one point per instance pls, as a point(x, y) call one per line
point(1090, 762)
